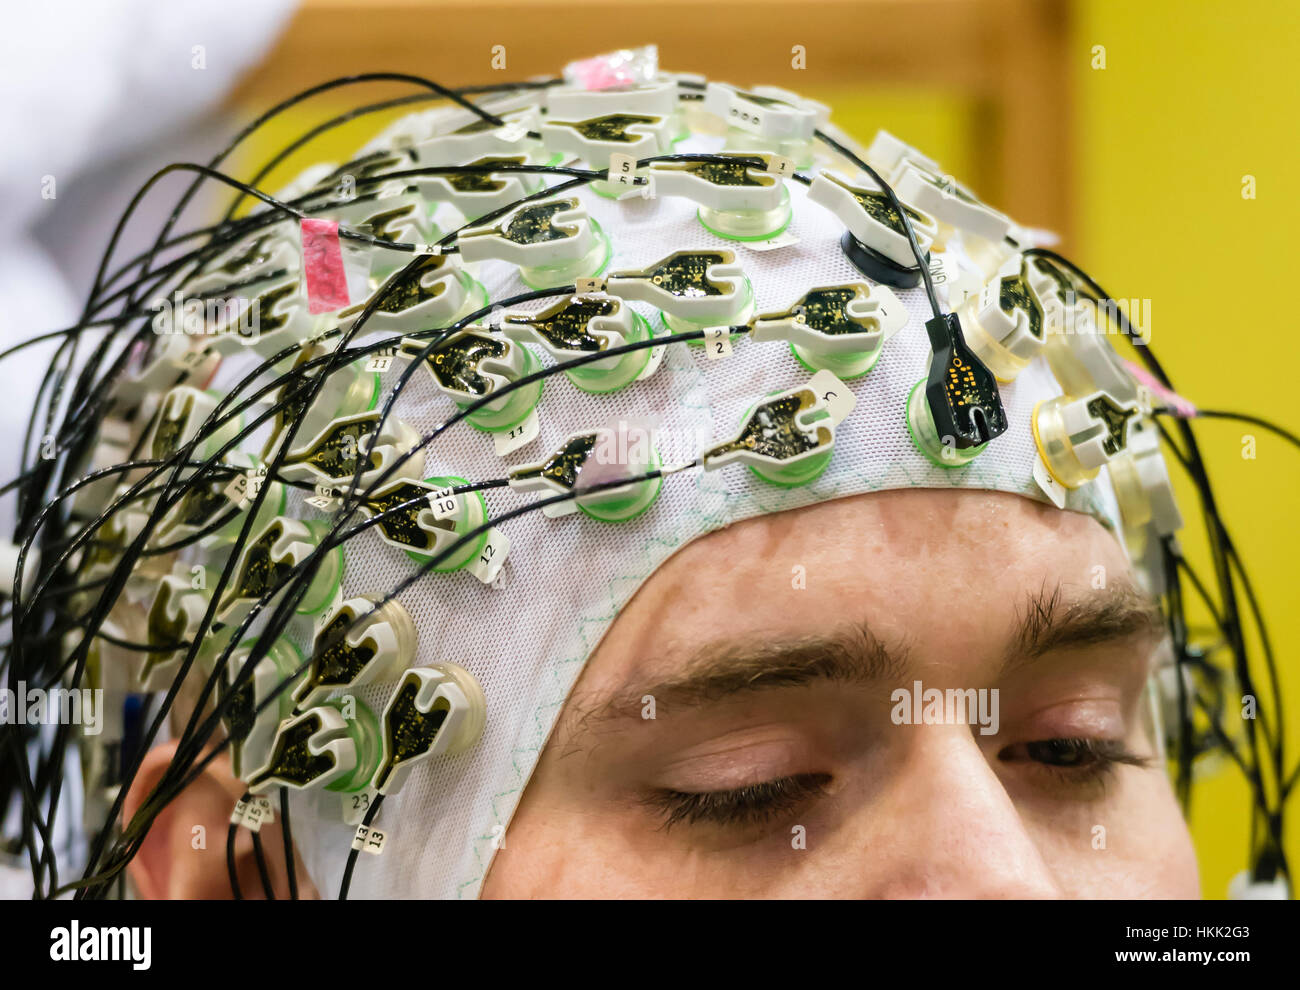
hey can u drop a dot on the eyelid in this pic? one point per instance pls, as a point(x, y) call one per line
point(753, 804)
point(1087, 780)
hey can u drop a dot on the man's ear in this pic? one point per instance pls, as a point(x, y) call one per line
point(183, 857)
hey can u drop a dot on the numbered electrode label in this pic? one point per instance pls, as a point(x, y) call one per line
point(782, 166)
point(839, 398)
point(381, 360)
point(518, 436)
point(246, 486)
point(487, 565)
point(369, 840)
point(324, 498)
point(444, 503)
point(717, 342)
point(622, 169)
point(356, 805)
point(253, 814)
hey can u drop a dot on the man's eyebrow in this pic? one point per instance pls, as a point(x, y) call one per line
point(851, 654)
point(1052, 622)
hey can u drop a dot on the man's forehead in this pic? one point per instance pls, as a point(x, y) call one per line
point(901, 559)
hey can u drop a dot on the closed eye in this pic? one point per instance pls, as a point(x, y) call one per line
point(753, 804)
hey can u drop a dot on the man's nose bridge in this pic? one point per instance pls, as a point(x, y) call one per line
point(955, 831)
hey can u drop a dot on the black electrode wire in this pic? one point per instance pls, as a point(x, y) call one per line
point(308, 566)
point(109, 321)
point(1285, 434)
point(444, 335)
point(1223, 553)
point(493, 397)
point(231, 868)
point(1178, 633)
point(427, 567)
point(235, 142)
point(133, 548)
point(1194, 464)
point(329, 542)
point(1234, 561)
point(139, 194)
point(371, 813)
point(582, 176)
point(333, 122)
point(162, 793)
point(120, 575)
point(303, 140)
point(902, 213)
point(259, 854)
point(163, 236)
point(276, 111)
point(290, 863)
point(585, 359)
point(1219, 550)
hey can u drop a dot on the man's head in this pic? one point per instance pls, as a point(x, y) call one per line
point(816, 655)
point(757, 721)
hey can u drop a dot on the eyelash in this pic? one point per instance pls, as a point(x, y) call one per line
point(1096, 759)
point(756, 804)
point(750, 805)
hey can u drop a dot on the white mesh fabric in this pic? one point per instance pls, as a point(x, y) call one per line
point(566, 579)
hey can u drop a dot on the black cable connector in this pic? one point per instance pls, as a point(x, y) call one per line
point(961, 392)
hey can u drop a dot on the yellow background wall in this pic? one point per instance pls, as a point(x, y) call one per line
point(1194, 96)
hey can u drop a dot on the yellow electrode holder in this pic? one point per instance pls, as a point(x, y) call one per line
point(1076, 436)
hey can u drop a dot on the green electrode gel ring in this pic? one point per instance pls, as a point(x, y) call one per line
point(926, 439)
point(600, 380)
point(748, 225)
point(845, 366)
point(362, 727)
point(627, 501)
point(460, 513)
point(677, 324)
point(327, 580)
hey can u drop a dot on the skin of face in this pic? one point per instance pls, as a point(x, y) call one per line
point(779, 761)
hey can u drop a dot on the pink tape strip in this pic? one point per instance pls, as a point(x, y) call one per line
point(597, 73)
point(1175, 401)
point(322, 263)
